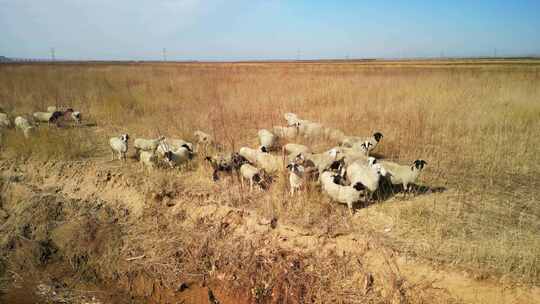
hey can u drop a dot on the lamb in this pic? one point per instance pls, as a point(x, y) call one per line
point(148, 159)
point(296, 177)
point(147, 144)
point(341, 194)
point(310, 169)
point(267, 139)
point(119, 145)
point(252, 174)
point(24, 125)
point(76, 116)
point(51, 109)
point(291, 118)
point(226, 163)
point(289, 132)
point(203, 139)
point(5, 121)
point(367, 174)
point(21, 122)
point(404, 174)
point(43, 116)
point(68, 114)
point(178, 157)
point(368, 144)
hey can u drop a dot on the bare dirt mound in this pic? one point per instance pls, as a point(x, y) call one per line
point(96, 226)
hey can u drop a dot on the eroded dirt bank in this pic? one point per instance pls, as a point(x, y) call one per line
point(96, 231)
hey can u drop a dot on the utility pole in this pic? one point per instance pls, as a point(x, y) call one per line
point(298, 55)
point(164, 54)
point(53, 55)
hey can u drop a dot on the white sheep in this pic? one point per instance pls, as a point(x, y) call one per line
point(323, 160)
point(334, 134)
point(311, 129)
point(52, 109)
point(147, 144)
point(43, 116)
point(403, 174)
point(249, 154)
point(5, 121)
point(351, 155)
point(251, 173)
point(148, 159)
point(290, 132)
point(269, 163)
point(368, 174)
point(349, 141)
point(172, 144)
point(292, 150)
point(291, 118)
point(341, 194)
point(296, 177)
point(178, 157)
point(267, 139)
point(119, 145)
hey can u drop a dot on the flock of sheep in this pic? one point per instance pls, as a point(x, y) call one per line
point(28, 123)
point(346, 173)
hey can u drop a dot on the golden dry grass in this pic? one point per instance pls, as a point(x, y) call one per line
point(477, 125)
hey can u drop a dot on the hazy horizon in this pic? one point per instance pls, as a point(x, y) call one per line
point(273, 30)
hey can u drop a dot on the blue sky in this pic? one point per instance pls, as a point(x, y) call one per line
point(267, 29)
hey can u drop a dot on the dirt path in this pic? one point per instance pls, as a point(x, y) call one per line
point(115, 185)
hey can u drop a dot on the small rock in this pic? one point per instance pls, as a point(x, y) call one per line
point(273, 223)
point(183, 286)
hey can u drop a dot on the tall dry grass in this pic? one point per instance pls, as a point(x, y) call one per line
point(478, 127)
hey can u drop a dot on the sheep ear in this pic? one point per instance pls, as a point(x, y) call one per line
point(208, 158)
point(187, 147)
point(358, 186)
point(289, 166)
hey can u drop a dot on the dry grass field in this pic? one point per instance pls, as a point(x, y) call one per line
point(476, 124)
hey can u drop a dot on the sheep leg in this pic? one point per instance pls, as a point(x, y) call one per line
point(350, 205)
point(292, 191)
point(113, 156)
point(250, 184)
point(405, 190)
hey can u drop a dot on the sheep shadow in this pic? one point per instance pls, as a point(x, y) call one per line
point(386, 191)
